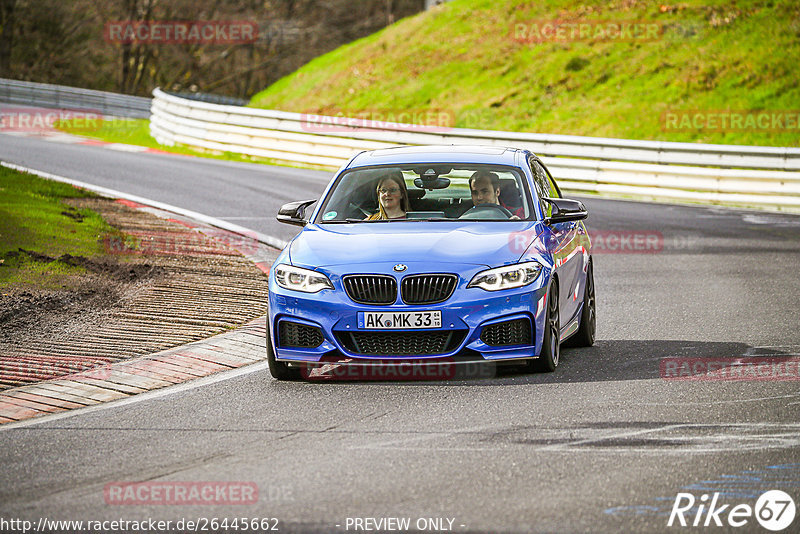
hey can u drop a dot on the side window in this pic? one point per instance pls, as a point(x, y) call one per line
point(539, 179)
point(544, 185)
point(555, 192)
point(547, 180)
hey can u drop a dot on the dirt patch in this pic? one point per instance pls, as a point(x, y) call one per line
point(26, 315)
point(134, 300)
point(113, 269)
point(73, 214)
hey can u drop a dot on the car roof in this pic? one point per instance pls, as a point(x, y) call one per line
point(497, 155)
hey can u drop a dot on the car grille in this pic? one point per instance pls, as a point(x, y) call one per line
point(299, 335)
point(401, 343)
point(514, 332)
point(428, 288)
point(371, 288)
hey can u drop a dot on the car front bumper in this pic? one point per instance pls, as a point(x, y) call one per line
point(465, 316)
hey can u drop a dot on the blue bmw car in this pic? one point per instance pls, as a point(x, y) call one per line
point(431, 254)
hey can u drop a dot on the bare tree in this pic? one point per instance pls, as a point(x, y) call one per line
point(6, 35)
point(65, 42)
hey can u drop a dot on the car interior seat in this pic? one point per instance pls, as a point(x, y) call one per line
point(510, 194)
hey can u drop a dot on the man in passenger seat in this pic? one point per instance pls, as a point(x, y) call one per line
point(485, 189)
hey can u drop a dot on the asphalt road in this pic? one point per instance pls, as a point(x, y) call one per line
point(605, 444)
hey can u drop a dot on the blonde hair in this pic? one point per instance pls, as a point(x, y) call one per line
point(396, 177)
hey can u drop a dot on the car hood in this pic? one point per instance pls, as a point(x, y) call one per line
point(475, 243)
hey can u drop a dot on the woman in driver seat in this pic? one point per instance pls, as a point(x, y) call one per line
point(392, 197)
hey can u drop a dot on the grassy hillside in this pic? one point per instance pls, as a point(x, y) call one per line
point(468, 59)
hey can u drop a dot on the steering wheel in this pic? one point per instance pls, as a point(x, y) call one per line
point(486, 211)
point(356, 210)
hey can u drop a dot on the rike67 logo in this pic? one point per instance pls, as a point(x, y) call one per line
point(774, 510)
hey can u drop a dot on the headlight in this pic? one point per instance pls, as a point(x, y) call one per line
point(508, 277)
point(305, 280)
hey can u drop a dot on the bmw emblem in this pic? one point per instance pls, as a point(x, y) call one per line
point(400, 267)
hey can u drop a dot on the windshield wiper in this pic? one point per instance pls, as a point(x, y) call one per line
point(350, 221)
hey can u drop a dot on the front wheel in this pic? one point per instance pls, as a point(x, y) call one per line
point(279, 370)
point(551, 346)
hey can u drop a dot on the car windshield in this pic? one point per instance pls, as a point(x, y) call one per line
point(438, 192)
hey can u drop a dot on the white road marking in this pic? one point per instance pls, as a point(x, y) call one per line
point(219, 223)
point(612, 436)
point(732, 437)
point(120, 147)
point(246, 218)
point(704, 403)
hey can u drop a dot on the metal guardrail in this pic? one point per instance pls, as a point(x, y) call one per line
point(212, 98)
point(62, 97)
point(765, 177)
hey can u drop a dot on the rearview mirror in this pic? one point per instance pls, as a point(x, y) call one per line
point(429, 177)
point(432, 183)
point(565, 210)
point(295, 212)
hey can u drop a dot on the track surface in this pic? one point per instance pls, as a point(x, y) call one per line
point(602, 445)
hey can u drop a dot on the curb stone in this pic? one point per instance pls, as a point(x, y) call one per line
point(122, 379)
point(228, 350)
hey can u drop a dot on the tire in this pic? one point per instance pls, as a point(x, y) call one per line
point(584, 337)
point(551, 346)
point(279, 370)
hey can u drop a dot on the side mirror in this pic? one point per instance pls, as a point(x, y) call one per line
point(565, 210)
point(295, 212)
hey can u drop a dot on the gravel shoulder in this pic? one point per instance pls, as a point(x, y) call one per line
point(165, 285)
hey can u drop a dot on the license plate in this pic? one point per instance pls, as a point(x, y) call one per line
point(399, 320)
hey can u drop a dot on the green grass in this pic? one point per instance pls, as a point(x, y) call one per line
point(137, 132)
point(118, 130)
point(462, 59)
point(34, 217)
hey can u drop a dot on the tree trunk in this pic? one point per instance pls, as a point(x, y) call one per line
point(6, 36)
